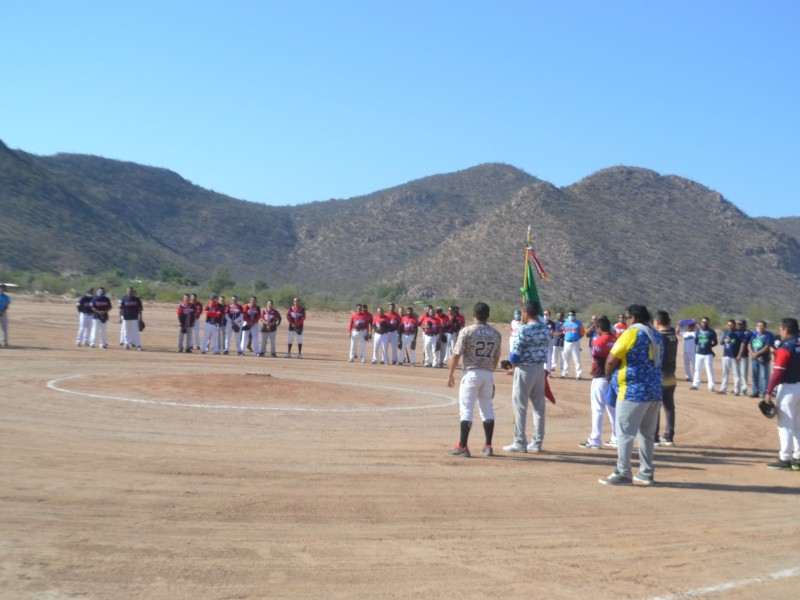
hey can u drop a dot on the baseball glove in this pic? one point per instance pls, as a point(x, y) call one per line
point(183, 330)
point(235, 327)
point(263, 328)
point(141, 325)
point(768, 408)
point(246, 327)
point(506, 365)
point(102, 317)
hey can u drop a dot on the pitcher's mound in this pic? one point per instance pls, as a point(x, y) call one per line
point(248, 389)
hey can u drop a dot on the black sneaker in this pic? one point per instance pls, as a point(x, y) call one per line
point(796, 464)
point(780, 465)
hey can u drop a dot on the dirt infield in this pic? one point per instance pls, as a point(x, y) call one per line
point(162, 475)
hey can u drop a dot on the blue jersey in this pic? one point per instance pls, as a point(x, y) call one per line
point(4, 302)
point(747, 336)
point(572, 330)
point(731, 343)
point(706, 340)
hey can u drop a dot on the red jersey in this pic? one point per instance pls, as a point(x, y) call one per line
point(186, 314)
point(272, 318)
point(787, 364)
point(296, 316)
point(393, 320)
point(251, 313)
point(380, 324)
point(233, 312)
point(198, 309)
point(619, 328)
point(409, 325)
point(214, 313)
point(430, 325)
point(358, 322)
point(457, 323)
point(601, 347)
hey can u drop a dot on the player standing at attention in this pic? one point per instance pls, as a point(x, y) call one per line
point(601, 346)
point(130, 309)
point(214, 316)
point(786, 381)
point(85, 314)
point(296, 317)
point(431, 328)
point(479, 346)
point(185, 312)
point(251, 314)
point(357, 332)
point(409, 325)
point(573, 332)
point(233, 325)
point(271, 319)
point(101, 306)
point(198, 313)
point(380, 338)
point(393, 319)
point(456, 325)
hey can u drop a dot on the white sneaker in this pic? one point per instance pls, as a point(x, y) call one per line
point(515, 447)
point(534, 447)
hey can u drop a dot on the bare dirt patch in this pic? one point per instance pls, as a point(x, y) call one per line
point(108, 498)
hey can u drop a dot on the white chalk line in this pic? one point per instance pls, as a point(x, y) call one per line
point(725, 587)
point(53, 384)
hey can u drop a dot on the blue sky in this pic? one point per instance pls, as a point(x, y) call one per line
point(291, 102)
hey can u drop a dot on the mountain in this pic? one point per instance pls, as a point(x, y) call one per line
point(620, 235)
point(788, 225)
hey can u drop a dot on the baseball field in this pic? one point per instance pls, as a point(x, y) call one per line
point(160, 475)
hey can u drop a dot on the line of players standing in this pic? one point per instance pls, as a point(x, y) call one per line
point(392, 331)
point(237, 327)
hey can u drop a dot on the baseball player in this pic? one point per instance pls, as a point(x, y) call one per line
point(431, 328)
point(214, 318)
point(130, 309)
point(380, 338)
point(101, 306)
point(296, 317)
point(601, 347)
point(270, 319)
point(357, 332)
point(198, 313)
point(251, 314)
point(85, 316)
point(409, 325)
point(785, 381)
point(573, 332)
point(457, 323)
point(731, 349)
point(185, 312)
point(704, 355)
point(393, 319)
point(233, 325)
point(479, 346)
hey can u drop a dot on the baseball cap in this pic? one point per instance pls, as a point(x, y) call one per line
point(213, 297)
point(235, 298)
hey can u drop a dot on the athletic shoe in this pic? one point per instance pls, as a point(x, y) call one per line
point(796, 464)
point(534, 448)
point(300, 356)
point(610, 444)
point(273, 355)
point(203, 352)
point(643, 479)
point(226, 353)
point(780, 465)
point(515, 447)
point(188, 350)
point(615, 479)
point(139, 348)
point(180, 350)
point(105, 347)
point(754, 395)
point(288, 355)
point(694, 387)
point(723, 392)
point(666, 442)
point(579, 379)
point(459, 451)
point(487, 451)
point(587, 444)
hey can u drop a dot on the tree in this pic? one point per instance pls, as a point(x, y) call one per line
point(220, 280)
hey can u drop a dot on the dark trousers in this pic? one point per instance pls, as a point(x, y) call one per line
point(668, 402)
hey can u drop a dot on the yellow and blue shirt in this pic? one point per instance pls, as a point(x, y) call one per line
point(638, 378)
